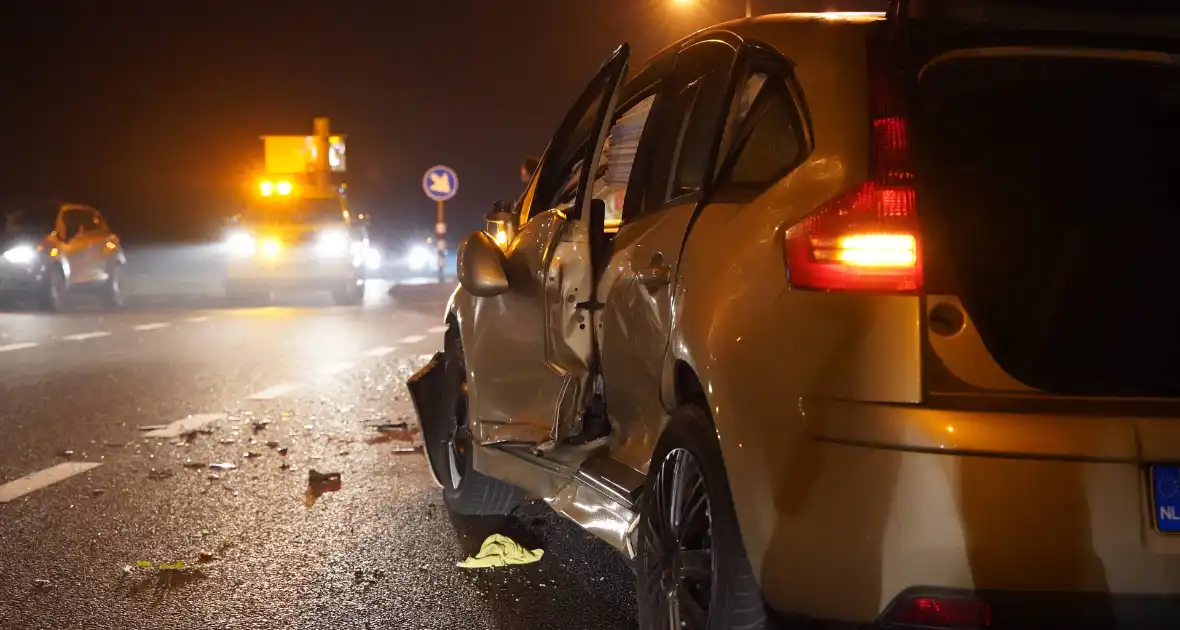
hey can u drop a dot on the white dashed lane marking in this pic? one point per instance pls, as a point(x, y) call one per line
point(31, 483)
point(332, 369)
point(411, 339)
point(89, 335)
point(153, 326)
point(198, 319)
point(24, 345)
point(182, 426)
point(437, 330)
point(380, 351)
point(281, 389)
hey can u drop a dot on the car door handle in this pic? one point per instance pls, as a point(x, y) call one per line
point(655, 278)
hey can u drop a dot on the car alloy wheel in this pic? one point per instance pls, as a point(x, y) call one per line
point(678, 535)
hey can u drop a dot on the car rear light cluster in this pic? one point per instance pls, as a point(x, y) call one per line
point(941, 612)
point(866, 239)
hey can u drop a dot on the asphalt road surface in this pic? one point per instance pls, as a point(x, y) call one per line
point(259, 550)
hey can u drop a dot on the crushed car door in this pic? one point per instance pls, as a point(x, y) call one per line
point(530, 351)
point(640, 280)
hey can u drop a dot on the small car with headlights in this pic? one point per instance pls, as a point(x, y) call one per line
point(290, 242)
point(846, 321)
point(48, 250)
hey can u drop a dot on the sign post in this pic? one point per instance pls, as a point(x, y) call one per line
point(440, 185)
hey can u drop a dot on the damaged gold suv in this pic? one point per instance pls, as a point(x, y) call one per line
point(844, 317)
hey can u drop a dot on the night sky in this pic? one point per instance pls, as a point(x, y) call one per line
point(151, 111)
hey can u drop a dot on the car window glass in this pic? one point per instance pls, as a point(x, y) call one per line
point(773, 142)
point(619, 158)
point(702, 111)
point(74, 220)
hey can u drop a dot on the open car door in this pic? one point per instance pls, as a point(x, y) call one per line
point(530, 351)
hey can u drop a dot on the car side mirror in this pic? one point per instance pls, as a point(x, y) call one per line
point(480, 266)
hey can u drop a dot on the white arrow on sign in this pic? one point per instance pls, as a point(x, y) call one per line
point(440, 183)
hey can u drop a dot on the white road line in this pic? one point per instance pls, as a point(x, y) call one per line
point(23, 345)
point(153, 326)
point(184, 425)
point(31, 483)
point(411, 339)
point(437, 330)
point(380, 351)
point(273, 392)
point(84, 336)
point(198, 319)
point(332, 369)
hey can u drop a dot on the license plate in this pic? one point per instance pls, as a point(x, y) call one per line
point(1165, 498)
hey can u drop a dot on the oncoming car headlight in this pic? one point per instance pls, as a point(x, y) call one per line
point(240, 244)
point(21, 254)
point(333, 244)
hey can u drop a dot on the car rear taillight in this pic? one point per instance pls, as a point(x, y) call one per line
point(866, 239)
point(940, 612)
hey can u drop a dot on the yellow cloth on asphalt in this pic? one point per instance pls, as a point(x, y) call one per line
point(499, 551)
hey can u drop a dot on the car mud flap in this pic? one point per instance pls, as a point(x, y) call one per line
point(426, 391)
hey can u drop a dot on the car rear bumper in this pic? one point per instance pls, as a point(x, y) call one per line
point(1023, 611)
point(1045, 518)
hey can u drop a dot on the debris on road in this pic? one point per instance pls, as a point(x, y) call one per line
point(227, 441)
point(163, 566)
point(159, 475)
point(283, 451)
point(42, 583)
point(498, 551)
point(251, 454)
point(315, 476)
point(392, 426)
point(272, 444)
point(205, 556)
point(192, 464)
point(259, 425)
point(67, 453)
point(412, 448)
point(223, 466)
point(318, 483)
point(152, 427)
point(97, 492)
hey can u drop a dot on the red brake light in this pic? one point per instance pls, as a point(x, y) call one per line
point(866, 239)
point(942, 612)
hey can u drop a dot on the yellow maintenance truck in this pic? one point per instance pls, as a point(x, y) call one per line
point(296, 231)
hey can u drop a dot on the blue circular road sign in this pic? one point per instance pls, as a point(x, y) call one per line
point(440, 183)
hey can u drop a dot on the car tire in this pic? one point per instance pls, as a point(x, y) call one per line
point(699, 569)
point(350, 294)
point(448, 446)
point(112, 289)
point(51, 297)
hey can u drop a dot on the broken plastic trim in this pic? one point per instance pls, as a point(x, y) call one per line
point(426, 393)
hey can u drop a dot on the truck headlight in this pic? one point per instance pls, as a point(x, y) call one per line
point(333, 244)
point(240, 244)
point(21, 254)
